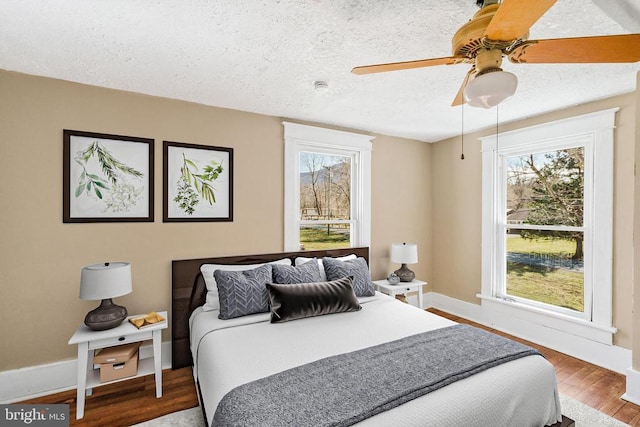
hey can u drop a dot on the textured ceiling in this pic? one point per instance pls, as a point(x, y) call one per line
point(263, 56)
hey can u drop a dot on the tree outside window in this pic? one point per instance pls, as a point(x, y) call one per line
point(544, 239)
point(325, 200)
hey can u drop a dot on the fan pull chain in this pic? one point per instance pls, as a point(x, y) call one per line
point(499, 162)
point(462, 134)
point(497, 121)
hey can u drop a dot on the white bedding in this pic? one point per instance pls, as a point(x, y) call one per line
point(522, 392)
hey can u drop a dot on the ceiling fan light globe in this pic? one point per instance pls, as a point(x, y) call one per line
point(490, 89)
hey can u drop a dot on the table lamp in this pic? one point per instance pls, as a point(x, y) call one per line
point(404, 253)
point(103, 282)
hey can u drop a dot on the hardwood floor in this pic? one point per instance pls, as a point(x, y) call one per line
point(133, 401)
point(592, 385)
point(130, 402)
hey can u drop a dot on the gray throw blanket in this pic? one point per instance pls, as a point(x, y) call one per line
point(345, 389)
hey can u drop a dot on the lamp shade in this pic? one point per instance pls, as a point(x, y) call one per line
point(404, 253)
point(106, 280)
point(490, 89)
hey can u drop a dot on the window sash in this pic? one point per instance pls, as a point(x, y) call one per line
point(327, 221)
point(543, 227)
point(355, 195)
point(351, 154)
point(503, 292)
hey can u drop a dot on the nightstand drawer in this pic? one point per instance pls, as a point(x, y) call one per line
point(123, 339)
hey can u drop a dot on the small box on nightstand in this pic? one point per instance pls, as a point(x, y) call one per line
point(117, 362)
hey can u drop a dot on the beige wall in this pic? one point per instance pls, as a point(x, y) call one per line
point(402, 208)
point(457, 210)
point(40, 257)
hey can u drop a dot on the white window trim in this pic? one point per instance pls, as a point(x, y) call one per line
point(299, 137)
point(598, 127)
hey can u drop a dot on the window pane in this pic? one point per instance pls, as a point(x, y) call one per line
point(546, 269)
point(325, 236)
point(546, 188)
point(325, 187)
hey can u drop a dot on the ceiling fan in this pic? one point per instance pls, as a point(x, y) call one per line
point(500, 30)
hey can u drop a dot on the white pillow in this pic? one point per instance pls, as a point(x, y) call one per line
point(323, 274)
point(212, 302)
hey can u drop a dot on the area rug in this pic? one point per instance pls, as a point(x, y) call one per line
point(583, 415)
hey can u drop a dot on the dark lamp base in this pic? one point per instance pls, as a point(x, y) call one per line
point(405, 274)
point(107, 316)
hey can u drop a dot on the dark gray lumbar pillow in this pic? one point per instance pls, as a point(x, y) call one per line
point(301, 300)
point(243, 292)
point(362, 284)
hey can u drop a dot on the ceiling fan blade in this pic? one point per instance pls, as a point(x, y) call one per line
point(618, 48)
point(514, 18)
point(459, 99)
point(394, 66)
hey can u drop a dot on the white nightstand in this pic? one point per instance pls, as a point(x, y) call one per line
point(89, 340)
point(401, 288)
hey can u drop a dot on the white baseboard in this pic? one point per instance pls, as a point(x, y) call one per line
point(35, 381)
point(633, 387)
point(454, 306)
point(611, 357)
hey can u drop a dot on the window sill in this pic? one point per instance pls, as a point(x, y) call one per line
point(549, 319)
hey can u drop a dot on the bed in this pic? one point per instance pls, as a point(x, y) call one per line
point(238, 354)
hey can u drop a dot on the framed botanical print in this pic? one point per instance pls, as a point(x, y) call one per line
point(107, 178)
point(198, 182)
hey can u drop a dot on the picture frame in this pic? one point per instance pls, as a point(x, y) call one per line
point(198, 183)
point(107, 178)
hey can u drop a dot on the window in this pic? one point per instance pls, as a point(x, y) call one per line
point(547, 223)
point(327, 188)
point(544, 228)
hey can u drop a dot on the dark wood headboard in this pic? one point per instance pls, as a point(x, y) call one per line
point(188, 291)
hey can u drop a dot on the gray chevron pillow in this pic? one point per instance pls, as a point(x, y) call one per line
point(243, 292)
point(304, 273)
point(362, 284)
